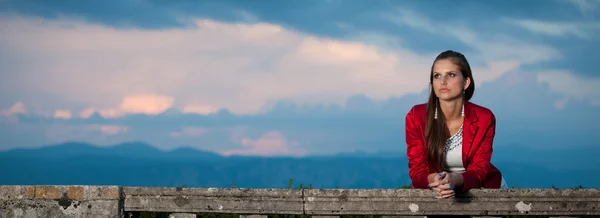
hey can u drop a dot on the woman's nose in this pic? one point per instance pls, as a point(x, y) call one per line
point(444, 80)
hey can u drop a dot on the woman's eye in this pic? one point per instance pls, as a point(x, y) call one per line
point(452, 75)
point(436, 76)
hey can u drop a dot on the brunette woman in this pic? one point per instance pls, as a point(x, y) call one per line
point(449, 139)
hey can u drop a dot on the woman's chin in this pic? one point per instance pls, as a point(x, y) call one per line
point(449, 97)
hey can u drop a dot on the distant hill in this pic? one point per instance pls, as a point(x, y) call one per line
point(133, 150)
point(140, 164)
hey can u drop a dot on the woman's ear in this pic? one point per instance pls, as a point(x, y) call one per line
point(467, 83)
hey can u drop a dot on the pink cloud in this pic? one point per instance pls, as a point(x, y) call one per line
point(179, 63)
point(146, 104)
point(134, 104)
point(200, 109)
point(109, 113)
point(17, 108)
point(270, 144)
point(9, 113)
point(87, 113)
point(163, 65)
point(62, 114)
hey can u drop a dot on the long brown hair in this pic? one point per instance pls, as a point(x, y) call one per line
point(436, 130)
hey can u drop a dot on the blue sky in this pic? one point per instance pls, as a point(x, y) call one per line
point(289, 77)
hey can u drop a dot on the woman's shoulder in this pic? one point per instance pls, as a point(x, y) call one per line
point(482, 111)
point(418, 109)
point(417, 113)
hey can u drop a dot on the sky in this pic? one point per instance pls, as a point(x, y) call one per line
point(291, 78)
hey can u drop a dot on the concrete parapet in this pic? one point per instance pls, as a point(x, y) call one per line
point(113, 201)
point(222, 200)
point(483, 202)
point(60, 201)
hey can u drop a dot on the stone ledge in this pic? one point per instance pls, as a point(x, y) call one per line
point(390, 202)
point(57, 192)
point(476, 202)
point(113, 201)
point(222, 200)
point(60, 201)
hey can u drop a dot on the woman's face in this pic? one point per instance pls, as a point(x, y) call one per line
point(448, 82)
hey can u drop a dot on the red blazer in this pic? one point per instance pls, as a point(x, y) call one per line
point(479, 129)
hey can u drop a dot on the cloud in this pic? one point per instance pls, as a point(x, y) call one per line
point(493, 48)
point(247, 16)
point(270, 144)
point(17, 108)
point(62, 114)
point(110, 113)
point(135, 104)
point(571, 86)
point(146, 104)
point(210, 64)
point(579, 29)
point(87, 113)
point(585, 6)
point(200, 109)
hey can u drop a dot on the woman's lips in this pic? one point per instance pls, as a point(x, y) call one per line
point(444, 90)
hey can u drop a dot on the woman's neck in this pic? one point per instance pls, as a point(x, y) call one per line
point(452, 109)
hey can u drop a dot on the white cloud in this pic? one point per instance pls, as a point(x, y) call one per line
point(586, 6)
point(494, 71)
point(224, 65)
point(579, 29)
point(247, 16)
point(493, 48)
point(571, 86)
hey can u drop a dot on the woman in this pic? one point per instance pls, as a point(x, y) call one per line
point(449, 139)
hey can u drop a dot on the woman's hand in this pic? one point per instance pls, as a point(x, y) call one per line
point(454, 180)
point(442, 186)
point(436, 179)
point(444, 191)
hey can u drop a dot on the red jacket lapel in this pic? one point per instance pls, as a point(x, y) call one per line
point(469, 131)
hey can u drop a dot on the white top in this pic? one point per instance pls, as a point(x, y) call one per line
point(453, 152)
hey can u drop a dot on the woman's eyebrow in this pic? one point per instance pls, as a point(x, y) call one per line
point(451, 71)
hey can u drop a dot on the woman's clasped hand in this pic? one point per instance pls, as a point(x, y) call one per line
point(444, 184)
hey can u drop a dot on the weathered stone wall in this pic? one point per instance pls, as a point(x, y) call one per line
point(60, 201)
point(112, 201)
point(229, 200)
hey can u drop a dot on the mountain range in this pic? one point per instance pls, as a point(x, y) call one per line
point(141, 164)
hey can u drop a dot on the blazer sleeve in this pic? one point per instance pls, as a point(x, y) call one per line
point(415, 152)
point(476, 172)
